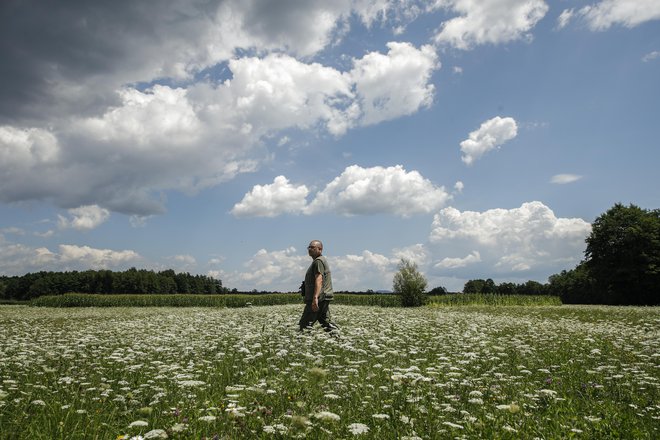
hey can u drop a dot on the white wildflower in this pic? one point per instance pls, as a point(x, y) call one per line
point(208, 419)
point(358, 428)
point(327, 416)
point(381, 416)
point(179, 427)
point(156, 434)
point(191, 383)
point(138, 424)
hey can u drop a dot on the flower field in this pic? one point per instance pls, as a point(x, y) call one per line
point(426, 373)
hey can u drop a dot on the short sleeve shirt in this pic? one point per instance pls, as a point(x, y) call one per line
point(319, 265)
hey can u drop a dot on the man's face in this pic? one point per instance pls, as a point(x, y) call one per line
point(313, 249)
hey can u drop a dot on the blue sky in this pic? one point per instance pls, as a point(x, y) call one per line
point(479, 139)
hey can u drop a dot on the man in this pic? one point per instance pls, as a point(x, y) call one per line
point(318, 290)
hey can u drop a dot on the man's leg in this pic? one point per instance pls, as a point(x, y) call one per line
point(308, 317)
point(324, 316)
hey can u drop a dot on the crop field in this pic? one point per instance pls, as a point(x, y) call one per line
point(509, 372)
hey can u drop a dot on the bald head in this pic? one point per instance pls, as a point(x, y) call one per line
point(315, 248)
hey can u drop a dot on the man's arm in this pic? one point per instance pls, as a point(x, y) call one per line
point(318, 285)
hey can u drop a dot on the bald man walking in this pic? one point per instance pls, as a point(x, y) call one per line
point(318, 290)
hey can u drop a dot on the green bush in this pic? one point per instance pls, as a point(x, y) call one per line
point(410, 284)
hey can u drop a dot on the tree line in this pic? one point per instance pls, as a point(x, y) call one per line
point(132, 280)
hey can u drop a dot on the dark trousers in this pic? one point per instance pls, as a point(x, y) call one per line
point(309, 317)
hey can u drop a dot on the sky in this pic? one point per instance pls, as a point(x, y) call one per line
point(479, 139)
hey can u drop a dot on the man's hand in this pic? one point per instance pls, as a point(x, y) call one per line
point(315, 304)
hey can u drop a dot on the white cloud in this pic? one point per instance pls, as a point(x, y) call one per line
point(378, 190)
point(492, 134)
point(182, 263)
point(85, 256)
point(562, 179)
point(21, 148)
point(628, 13)
point(394, 84)
point(165, 138)
point(489, 21)
point(160, 115)
point(565, 17)
point(84, 218)
point(453, 263)
point(368, 270)
point(651, 56)
point(526, 239)
point(18, 259)
point(417, 253)
point(280, 197)
point(281, 270)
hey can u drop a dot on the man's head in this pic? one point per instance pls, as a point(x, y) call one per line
point(315, 248)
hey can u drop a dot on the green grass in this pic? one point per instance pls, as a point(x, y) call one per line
point(130, 300)
point(473, 372)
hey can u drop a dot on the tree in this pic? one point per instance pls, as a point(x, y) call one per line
point(479, 286)
point(623, 255)
point(574, 286)
point(440, 290)
point(410, 284)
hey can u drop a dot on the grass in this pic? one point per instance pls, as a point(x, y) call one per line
point(504, 372)
point(189, 300)
point(465, 299)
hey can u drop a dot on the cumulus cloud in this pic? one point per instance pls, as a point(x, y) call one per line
point(628, 13)
point(368, 269)
point(280, 269)
point(563, 179)
point(18, 259)
point(188, 139)
point(489, 21)
point(453, 263)
point(492, 134)
point(394, 84)
point(509, 241)
point(84, 218)
point(280, 197)
point(379, 190)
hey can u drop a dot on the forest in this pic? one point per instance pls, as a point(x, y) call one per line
point(132, 280)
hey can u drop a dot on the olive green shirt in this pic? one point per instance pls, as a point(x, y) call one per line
point(319, 265)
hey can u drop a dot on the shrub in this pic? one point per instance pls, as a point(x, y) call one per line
point(410, 284)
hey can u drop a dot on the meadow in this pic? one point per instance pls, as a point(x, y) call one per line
point(467, 372)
